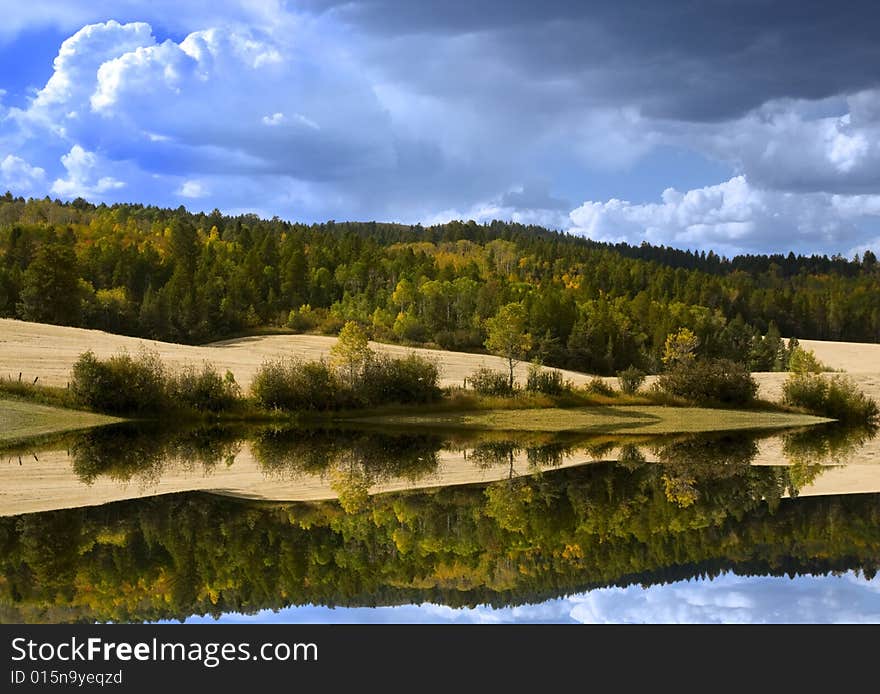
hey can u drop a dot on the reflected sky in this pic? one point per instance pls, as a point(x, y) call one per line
point(728, 599)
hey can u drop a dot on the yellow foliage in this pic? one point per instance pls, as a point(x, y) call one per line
point(574, 551)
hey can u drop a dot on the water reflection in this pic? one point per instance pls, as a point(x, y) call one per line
point(125, 451)
point(668, 510)
point(359, 461)
point(847, 598)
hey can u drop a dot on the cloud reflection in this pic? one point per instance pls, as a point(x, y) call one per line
point(848, 598)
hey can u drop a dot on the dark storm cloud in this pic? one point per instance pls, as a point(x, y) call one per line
point(684, 60)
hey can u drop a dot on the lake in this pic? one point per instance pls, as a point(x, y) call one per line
point(148, 523)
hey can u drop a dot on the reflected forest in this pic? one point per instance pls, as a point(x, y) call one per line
point(635, 511)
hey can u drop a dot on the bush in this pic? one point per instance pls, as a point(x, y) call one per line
point(459, 340)
point(837, 397)
point(330, 325)
point(302, 320)
point(121, 384)
point(549, 382)
point(490, 382)
point(598, 386)
point(412, 379)
point(720, 381)
point(409, 328)
point(291, 384)
point(631, 380)
point(204, 390)
point(315, 385)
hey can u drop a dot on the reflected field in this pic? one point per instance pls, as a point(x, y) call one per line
point(296, 464)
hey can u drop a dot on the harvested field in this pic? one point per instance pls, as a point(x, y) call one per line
point(48, 352)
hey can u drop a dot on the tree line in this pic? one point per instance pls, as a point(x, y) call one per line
point(173, 275)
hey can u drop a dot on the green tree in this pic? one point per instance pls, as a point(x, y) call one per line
point(803, 361)
point(351, 351)
point(508, 337)
point(50, 287)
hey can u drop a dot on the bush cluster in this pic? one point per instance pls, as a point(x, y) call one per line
point(487, 381)
point(459, 340)
point(203, 390)
point(121, 384)
point(837, 397)
point(297, 385)
point(631, 380)
point(598, 386)
point(547, 381)
point(411, 379)
point(141, 385)
point(293, 384)
point(710, 381)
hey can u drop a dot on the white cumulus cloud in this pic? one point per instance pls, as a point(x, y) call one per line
point(116, 89)
point(75, 72)
point(192, 189)
point(83, 176)
point(731, 217)
point(19, 176)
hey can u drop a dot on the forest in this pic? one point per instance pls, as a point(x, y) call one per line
point(594, 307)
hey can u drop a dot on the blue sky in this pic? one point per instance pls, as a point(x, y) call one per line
point(728, 599)
point(741, 127)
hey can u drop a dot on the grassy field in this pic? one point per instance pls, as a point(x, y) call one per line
point(634, 419)
point(21, 420)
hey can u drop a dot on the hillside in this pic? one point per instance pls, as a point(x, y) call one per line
point(586, 306)
point(48, 352)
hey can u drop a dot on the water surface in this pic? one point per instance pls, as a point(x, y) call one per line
point(273, 524)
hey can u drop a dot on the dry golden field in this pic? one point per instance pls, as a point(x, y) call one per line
point(48, 352)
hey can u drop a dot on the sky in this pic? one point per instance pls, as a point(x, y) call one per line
point(741, 126)
point(729, 599)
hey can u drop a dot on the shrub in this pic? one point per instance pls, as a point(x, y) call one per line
point(316, 385)
point(719, 381)
point(204, 390)
point(330, 325)
point(490, 382)
point(549, 382)
point(411, 379)
point(303, 319)
point(409, 328)
point(598, 386)
point(121, 384)
point(292, 384)
point(630, 380)
point(461, 339)
point(837, 397)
